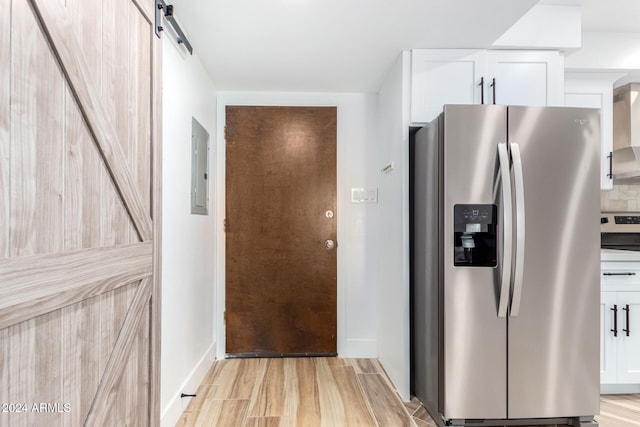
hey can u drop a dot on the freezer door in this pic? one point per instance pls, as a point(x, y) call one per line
point(473, 360)
point(426, 168)
point(553, 342)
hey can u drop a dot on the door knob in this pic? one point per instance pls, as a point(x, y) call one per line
point(329, 244)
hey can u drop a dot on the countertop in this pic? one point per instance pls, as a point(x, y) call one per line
point(617, 255)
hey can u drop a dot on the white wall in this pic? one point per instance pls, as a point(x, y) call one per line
point(562, 29)
point(393, 231)
point(188, 254)
point(606, 52)
point(357, 310)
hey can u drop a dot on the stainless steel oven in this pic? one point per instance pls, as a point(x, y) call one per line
point(620, 236)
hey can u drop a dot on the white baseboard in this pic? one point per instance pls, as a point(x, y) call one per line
point(360, 348)
point(171, 414)
point(619, 388)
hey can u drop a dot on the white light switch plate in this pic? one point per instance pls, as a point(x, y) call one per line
point(364, 195)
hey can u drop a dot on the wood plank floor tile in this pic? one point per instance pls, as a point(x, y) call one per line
point(422, 415)
point(267, 422)
point(610, 422)
point(386, 406)
point(616, 409)
point(188, 419)
point(333, 361)
point(357, 411)
point(331, 404)
point(413, 405)
point(223, 413)
point(238, 379)
point(303, 399)
point(269, 400)
point(213, 375)
point(423, 423)
point(204, 392)
point(366, 366)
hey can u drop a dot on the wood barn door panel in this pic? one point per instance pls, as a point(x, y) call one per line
point(135, 379)
point(82, 373)
point(281, 181)
point(116, 304)
point(73, 347)
point(36, 116)
point(84, 172)
point(39, 284)
point(139, 92)
point(5, 125)
point(96, 111)
point(79, 184)
point(127, 99)
point(35, 368)
point(4, 372)
point(109, 401)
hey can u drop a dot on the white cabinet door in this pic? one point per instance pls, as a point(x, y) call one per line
point(629, 337)
point(440, 77)
point(526, 77)
point(595, 90)
point(608, 342)
point(463, 76)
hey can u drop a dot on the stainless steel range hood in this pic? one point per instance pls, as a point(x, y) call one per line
point(626, 134)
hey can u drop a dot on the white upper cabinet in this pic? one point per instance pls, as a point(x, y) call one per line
point(526, 77)
point(460, 76)
point(595, 90)
point(440, 77)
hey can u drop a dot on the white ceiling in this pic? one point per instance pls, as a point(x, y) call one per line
point(611, 16)
point(349, 45)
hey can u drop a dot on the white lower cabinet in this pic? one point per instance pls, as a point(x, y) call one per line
point(608, 342)
point(620, 337)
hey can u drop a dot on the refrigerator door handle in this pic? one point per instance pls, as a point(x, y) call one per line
point(518, 180)
point(507, 250)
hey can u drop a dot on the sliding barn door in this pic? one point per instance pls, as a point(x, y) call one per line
point(79, 213)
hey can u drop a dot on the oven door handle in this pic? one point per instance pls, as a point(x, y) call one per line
point(625, 273)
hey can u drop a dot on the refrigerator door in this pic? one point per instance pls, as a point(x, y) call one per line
point(426, 261)
point(553, 337)
point(473, 369)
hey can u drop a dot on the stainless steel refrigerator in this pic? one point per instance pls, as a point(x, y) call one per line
point(505, 265)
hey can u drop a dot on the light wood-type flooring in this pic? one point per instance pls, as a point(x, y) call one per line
point(619, 410)
point(308, 392)
point(294, 392)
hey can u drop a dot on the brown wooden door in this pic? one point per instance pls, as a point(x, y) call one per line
point(281, 209)
point(80, 181)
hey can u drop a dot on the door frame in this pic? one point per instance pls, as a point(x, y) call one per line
point(279, 100)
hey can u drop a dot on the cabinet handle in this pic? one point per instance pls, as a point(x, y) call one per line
point(619, 274)
point(481, 90)
point(493, 86)
point(615, 320)
point(628, 329)
point(610, 157)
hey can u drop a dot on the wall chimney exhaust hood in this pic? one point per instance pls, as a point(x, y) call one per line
point(626, 134)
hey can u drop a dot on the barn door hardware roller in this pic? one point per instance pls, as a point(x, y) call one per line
point(166, 10)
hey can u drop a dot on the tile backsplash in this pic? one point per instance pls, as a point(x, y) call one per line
point(621, 198)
